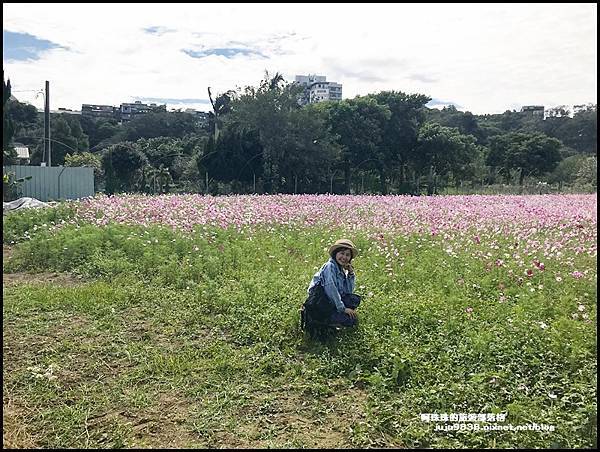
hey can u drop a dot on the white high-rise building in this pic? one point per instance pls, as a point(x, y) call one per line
point(318, 89)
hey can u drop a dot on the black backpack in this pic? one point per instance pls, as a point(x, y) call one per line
point(316, 311)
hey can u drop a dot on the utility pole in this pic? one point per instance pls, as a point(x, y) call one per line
point(47, 146)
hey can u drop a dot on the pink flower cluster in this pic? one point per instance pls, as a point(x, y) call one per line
point(504, 232)
point(521, 216)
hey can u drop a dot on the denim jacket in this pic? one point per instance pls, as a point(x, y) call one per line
point(335, 282)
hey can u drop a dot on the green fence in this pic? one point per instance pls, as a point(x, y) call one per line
point(54, 183)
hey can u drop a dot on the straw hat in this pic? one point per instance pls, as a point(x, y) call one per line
point(343, 243)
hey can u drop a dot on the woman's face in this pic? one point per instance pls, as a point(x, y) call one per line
point(343, 257)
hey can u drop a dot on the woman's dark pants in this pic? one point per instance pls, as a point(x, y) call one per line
point(350, 301)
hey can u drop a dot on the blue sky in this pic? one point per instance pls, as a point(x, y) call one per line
point(230, 52)
point(484, 58)
point(24, 47)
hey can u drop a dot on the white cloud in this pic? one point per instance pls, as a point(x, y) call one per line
point(485, 57)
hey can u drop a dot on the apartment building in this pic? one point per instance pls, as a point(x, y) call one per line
point(533, 110)
point(318, 89)
point(124, 113)
point(99, 111)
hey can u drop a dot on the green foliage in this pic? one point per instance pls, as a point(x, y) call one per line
point(123, 164)
point(18, 118)
point(311, 151)
point(195, 314)
point(23, 224)
point(8, 152)
point(588, 172)
point(22, 115)
point(262, 140)
point(582, 131)
point(160, 124)
point(269, 111)
point(358, 125)
point(154, 180)
point(576, 170)
point(400, 132)
point(531, 154)
point(87, 159)
point(160, 151)
point(11, 186)
point(66, 137)
point(444, 150)
point(101, 131)
point(465, 122)
point(236, 155)
point(9, 155)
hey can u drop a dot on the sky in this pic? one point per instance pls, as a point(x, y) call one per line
point(482, 58)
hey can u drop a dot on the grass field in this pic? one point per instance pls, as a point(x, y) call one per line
point(173, 321)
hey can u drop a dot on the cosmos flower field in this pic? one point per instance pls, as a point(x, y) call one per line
point(479, 308)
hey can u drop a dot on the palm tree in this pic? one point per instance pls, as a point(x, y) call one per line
point(221, 106)
point(164, 179)
point(9, 155)
point(271, 83)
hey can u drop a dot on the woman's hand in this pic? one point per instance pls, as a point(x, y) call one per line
point(350, 312)
point(350, 269)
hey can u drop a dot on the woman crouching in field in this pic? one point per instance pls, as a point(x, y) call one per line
point(330, 297)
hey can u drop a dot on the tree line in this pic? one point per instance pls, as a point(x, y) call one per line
point(260, 139)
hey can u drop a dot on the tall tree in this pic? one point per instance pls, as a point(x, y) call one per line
point(400, 132)
point(221, 106)
point(588, 171)
point(465, 122)
point(62, 140)
point(22, 116)
point(531, 154)
point(442, 150)
point(102, 131)
point(359, 125)
point(312, 150)
point(268, 110)
point(122, 164)
point(581, 131)
point(9, 155)
point(160, 150)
